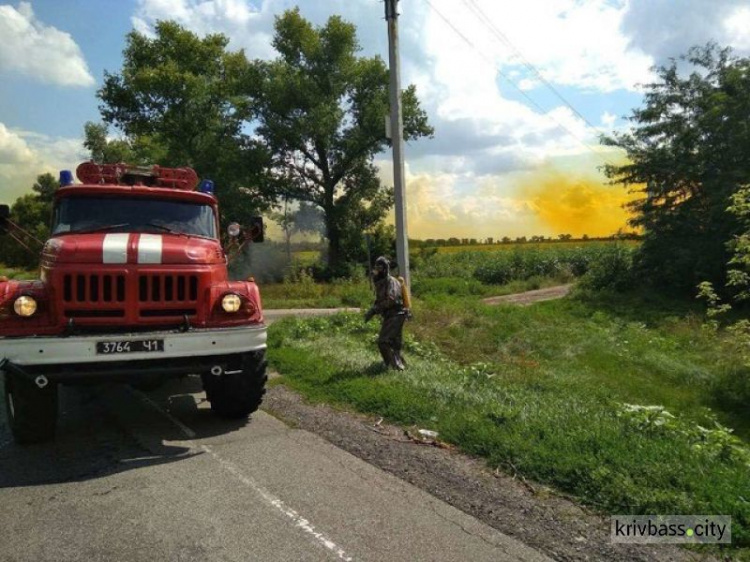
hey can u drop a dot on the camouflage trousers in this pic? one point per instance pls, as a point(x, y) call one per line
point(390, 340)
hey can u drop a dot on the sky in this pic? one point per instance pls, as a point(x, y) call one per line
point(518, 92)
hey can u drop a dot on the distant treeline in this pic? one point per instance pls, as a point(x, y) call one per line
point(432, 242)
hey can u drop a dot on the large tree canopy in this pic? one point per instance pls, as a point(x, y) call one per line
point(688, 154)
point(321, 112)
point(183, 99)
point(103, 150)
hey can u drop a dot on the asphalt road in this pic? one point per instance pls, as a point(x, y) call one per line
point(156, 476)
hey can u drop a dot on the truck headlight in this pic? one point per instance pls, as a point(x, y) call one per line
point(231, 303)
point(25, 306)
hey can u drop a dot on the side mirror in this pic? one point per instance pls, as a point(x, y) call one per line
point(4, 214)
point(233, 230)
point(257, 230)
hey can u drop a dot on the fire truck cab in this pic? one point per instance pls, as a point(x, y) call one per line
point(133, 288)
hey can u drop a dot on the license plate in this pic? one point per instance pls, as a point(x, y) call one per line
point(129, 346)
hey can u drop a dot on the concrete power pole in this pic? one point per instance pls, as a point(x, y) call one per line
point(397, 138)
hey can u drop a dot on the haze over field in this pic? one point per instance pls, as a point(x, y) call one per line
point(511, 156)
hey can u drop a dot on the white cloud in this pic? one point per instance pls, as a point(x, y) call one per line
point(43, 52)
point(608, 120)
point(13, 149)
point(667, 29)
point(737, 26)
point(24, 155)
point(448, 204)
point(571, 43)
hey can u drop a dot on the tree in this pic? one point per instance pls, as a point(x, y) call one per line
point(32, 212)
point(45, 187)
point(306, 219)
point(320, 111)
point(141, 150)
point(184, 98)
point(687, 154)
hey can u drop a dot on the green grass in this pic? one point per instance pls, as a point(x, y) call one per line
point(307, 294)
point(542, 390)
point(13, 273)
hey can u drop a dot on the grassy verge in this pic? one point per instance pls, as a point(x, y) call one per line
point(308, 294)
point(556, 392)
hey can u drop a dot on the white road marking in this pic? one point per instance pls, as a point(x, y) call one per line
point(149, 248)
point(299, 521)
point(115, 248)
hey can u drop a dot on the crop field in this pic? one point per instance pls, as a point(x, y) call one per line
point(563, 262)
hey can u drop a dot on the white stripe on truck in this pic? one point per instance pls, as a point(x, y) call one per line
point(115, 248)
point(149, 248)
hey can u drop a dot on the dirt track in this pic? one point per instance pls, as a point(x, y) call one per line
point(531, 297)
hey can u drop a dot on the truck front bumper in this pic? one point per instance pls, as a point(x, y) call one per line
point(69, 359)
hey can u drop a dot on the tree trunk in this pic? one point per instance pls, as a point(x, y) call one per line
point(333, 232)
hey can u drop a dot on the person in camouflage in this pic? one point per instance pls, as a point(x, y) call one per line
point(389, 303)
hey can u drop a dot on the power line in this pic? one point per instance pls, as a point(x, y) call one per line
point(512, 83)
point(482, 16)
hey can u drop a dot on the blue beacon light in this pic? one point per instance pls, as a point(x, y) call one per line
point(206, 186)
point(66, 178)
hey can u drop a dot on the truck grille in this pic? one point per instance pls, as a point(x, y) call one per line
point(95, 288)
point(167, 288)
point(148, 297)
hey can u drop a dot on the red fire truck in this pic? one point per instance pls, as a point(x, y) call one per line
point(133, 288)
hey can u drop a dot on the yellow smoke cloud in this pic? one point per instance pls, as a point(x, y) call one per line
point(566, 203)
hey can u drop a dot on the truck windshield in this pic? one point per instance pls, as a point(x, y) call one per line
point(114, 214)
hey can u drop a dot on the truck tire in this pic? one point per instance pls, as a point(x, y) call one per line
point(239, 394)
point(31, 411)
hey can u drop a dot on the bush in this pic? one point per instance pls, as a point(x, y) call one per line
point(611, 270)
point(560, 263)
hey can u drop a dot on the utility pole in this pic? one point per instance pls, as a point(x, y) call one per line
point(397, 138)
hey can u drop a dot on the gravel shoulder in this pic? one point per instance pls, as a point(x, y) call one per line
point(527, 511)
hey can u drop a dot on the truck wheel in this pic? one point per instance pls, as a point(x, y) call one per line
point(32, 411)
point(239, 394)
